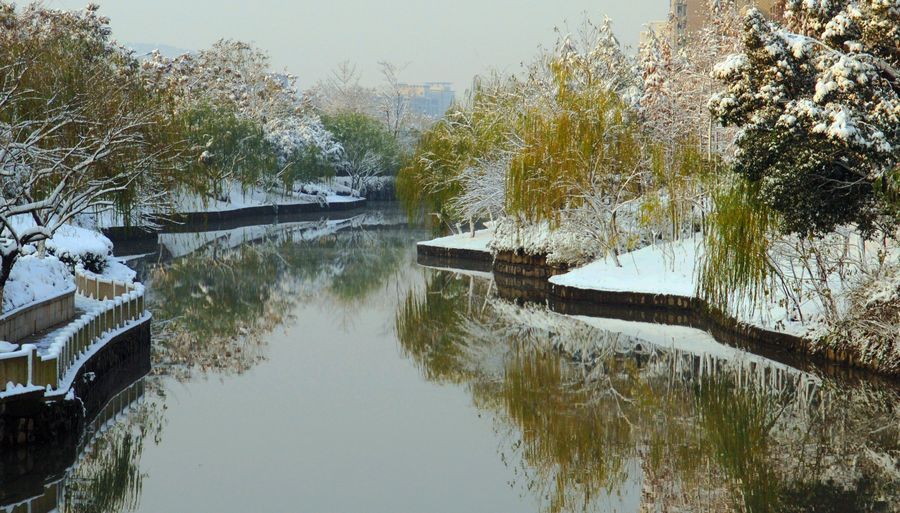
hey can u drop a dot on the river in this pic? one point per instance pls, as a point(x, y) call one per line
point(316, 367)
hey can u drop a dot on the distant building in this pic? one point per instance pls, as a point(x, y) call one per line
point(431, 99)
point(692, 15)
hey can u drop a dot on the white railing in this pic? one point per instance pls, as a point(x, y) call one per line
point(26, 369)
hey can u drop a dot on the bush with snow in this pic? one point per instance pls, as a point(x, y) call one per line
point(78, 246)
point(34, 279)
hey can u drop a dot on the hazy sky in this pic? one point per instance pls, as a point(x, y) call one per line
point(441, 41)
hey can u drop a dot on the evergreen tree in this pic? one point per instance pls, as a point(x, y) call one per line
point(818, 105)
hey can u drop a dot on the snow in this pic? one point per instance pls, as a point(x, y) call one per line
point(464, 241)
point(237, 197)
point(116, 270)
point(72, 243)
point(663, 269)
point(732, 64)
point(6, 347)
point(35, 279)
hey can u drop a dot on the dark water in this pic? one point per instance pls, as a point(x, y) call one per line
point(315, 367)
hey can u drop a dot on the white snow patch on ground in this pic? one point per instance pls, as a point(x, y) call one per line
point(35, 279)
point(464, 241)
point(236, 198)
point(673, 269)
point(116, 270)
point(663, 269)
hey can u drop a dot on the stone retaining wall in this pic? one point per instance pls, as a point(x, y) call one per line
point(528, 266)
point(468, 259)
point(525, 278)
point(33, 420)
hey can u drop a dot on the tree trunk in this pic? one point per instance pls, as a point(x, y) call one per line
point(6, 265)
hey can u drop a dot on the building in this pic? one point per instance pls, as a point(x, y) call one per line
point(691, 15)
point(431, 99)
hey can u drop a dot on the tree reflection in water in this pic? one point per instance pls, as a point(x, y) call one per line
point(213, 308)
point(588, 419)
point(594, 418)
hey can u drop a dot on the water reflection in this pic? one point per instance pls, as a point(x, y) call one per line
point(589, 415)
point(213, 307)
point(595, 417)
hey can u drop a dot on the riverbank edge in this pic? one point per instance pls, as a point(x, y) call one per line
point(522, 277)
point(59, 420)
point(226, 219)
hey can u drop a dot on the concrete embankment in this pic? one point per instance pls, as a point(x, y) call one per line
point(521, 277)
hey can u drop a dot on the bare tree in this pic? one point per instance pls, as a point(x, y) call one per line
point(394, 98)
point(342, 92)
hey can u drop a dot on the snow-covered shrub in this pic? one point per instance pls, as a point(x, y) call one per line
point(562, 245)
point(871, 325)
point(35, 279)
point(304, 148)
point(77, 246)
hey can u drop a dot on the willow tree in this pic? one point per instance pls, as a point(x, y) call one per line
point(79, 132)
point(469, 134)
point(581, 156)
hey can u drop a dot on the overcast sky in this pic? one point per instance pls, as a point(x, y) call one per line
point(439, 40)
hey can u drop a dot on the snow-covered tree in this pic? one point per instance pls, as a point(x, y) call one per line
point(818, 105)
point(236, 78)
point(369, 148)
point(77, 130)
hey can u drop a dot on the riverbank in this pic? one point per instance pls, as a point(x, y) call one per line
point(597, 290)
point(58, 379)
point(213, 220)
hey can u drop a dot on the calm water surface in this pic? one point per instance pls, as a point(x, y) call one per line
point(316, 367)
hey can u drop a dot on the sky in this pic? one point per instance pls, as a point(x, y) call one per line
point(437, 41)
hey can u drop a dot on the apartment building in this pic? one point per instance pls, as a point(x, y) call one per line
point(431, 99)
point(691, 15)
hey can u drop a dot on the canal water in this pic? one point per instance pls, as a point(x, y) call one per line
point(316, 367)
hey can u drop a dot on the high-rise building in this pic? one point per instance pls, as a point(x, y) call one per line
point(431, 99)
point(691, 15)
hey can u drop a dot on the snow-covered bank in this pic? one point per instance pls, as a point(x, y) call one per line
point(673, 269)
point(234, 199)
point(34, 279)
point(669, 269)
point(795, 314)
point(465, 241)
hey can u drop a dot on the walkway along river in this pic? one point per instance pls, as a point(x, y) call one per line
point(315, 366)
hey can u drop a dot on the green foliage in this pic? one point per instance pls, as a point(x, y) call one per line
point(812, 183)
point(306, 164)
point(364, 137)
point(737, 246)
point(226, 145)
point(467, 133)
